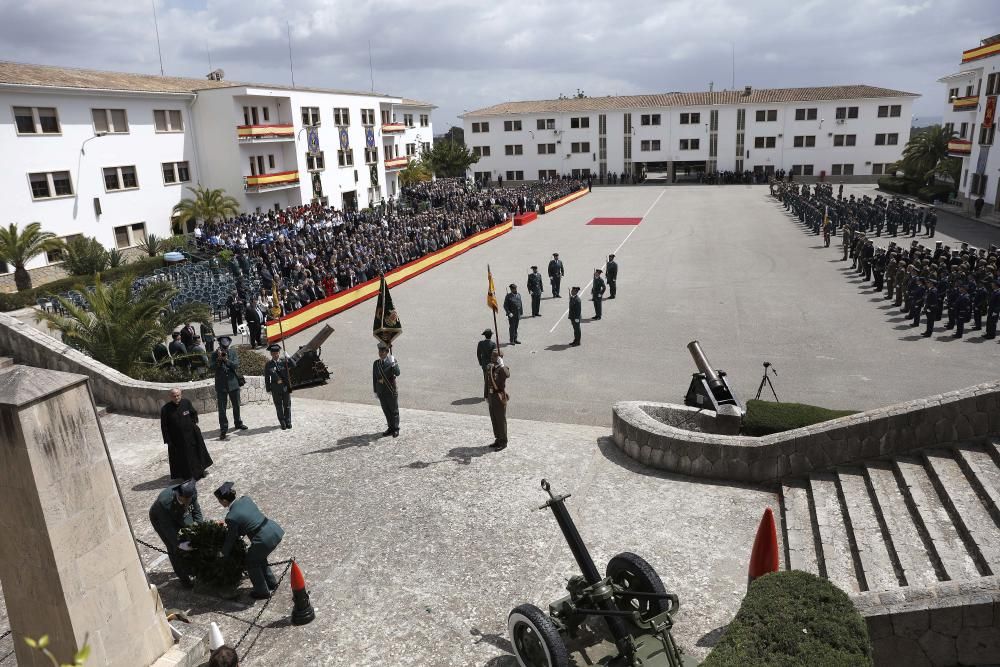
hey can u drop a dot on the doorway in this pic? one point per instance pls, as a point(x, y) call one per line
point(350, 200)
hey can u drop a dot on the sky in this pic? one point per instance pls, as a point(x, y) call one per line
point(462, 55)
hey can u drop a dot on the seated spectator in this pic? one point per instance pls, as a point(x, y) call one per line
point(178, 350)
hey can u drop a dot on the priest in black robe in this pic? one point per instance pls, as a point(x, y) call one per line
point(186, 451)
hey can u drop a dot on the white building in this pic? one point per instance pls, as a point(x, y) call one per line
point(108, 154)
point(840, 132)
point(970, 112)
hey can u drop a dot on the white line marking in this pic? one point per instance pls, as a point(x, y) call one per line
point(156, 562)
point(634, 227)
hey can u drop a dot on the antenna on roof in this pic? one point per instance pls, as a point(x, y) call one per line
point(209, 58)
point(291, 67)
point(371, 69)
point(733, 44)
point(156, 25)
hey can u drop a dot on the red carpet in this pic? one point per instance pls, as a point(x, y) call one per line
point(615, 221)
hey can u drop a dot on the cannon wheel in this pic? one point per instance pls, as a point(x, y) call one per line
point(536, 639)
point(633, 573)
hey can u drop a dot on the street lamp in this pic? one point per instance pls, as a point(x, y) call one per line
point(97, 135)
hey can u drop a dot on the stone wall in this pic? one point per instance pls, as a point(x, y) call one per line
point(120, 393)
point(39, 277)
point(951, 623)
point(969, 415)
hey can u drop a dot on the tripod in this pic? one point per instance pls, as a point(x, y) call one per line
point(766, 380)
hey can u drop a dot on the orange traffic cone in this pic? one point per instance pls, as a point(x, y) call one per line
point(764, 557)
point(302, 611)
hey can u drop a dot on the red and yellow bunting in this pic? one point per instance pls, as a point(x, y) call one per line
point(264, 131)
point(965, 103)
point(960, 146)
point(980, 52)
point(277, 178)
point(573, 196)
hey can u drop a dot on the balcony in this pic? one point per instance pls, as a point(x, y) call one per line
point(268, 182)
point(252, 134)
point(397, 162)
point(960, 147)
point(392, 128)
point(965, 103)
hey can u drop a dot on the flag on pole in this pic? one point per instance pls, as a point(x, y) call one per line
point(386, 327)
point(491, 293)
point(276, 308)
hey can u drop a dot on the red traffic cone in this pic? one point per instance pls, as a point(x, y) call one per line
point(302, 611)
point(764, 557)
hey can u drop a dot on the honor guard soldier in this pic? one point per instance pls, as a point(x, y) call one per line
point(535, 289)
point(611, 272)
point(278, 383)
point(597, 292)
point(176, 507)
point(932, 301)
point(385, 370)
point(575, 313)
point(498, 373)
point(963, 310)
point(225, 363)
point(993, 311)
point(556, 272)
point(514, 309)
point(483, 351)
point(245, 518)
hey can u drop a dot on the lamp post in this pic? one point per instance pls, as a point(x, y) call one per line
point(97, 135)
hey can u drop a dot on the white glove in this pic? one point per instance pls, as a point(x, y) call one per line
point(391, 359)
point(500, 362)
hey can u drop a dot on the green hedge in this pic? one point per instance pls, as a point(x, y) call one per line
point(140, 267)
point(939, 191)
point(794, 618)
point(764, 417)
point(897, 184)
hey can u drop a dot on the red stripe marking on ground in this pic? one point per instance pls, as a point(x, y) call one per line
point(615, 221)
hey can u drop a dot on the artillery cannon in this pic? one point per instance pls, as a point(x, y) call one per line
point(709, 387)
point(307, 367)
point(630, 598)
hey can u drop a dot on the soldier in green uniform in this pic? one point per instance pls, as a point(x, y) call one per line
point(244, 518)
point(597, 292)
point(385, 370)
point(278, 383)
point(225, 364)
point(176, 507)
point(497, 372)
point(535, 289)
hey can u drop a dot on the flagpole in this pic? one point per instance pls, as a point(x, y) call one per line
point(382, 288)
point(496, 329)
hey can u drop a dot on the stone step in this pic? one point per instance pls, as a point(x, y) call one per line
point(974, 520)
point(984, 472)
point(835, 542)
point(873, 552)
point(992, 447)
point(5, 363)
point(948, 545)
point(915, 557)
point(800, 543)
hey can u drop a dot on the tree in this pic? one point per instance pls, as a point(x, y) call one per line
point(415, 172)
point(447, 159)
point(85, 256)
point(120, 330)
point(924, 154)
point(208, 205)
point(17, 248)
point(151, 245)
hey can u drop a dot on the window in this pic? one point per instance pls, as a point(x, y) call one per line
point(766, 115)
point(690, 118)
point(842, 170)
point(877, 169)
point(267, 114)
point(371, 155)
point(580, 147)
point(993, 84)
point(36, 120)
point(513, 149)
point(368, 116)
point(341, 116)
point(128, 236)
point(345, 158)
point(847, 139)
point(120, 178)
point(581, 173)
point(111, 121)
point(545, 124)
point(411, 149)
point(579, 123)
point(482, 176)
point(481, 151)
point(515, 176)
point(46, 185)
point(806, 141)
point(310, 116)
point(764, 142)
point(168, 120)
point(315, 162)
point(883, 111)
point(964, 129)
point(690, 144)
point(649, 119)
point(512, 126)
point(952, 94)
point(882, 139)
point(649, 145)
point(270, 162)
point(978, 186)
point(802, 170)
point(425, 146)
point(546, 149)
point(480, 127)
point(846, 112)
point(176, 172)
point(546, 173)
point(805, 114)
point(986, 135)
point(408, 119)
point(53, 256)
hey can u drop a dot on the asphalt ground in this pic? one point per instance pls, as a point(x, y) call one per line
point(725, 265)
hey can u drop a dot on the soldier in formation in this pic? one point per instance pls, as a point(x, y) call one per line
point(278, 383)
point(385, 370)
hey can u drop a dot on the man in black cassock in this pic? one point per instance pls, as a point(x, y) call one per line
point(186, 449)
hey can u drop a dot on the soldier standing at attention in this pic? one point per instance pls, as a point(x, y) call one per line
point(512, 306)
point(535, 289)
point(225, 364)
point(611, 271)
point(385, 370)
point(963, 310)
point(556, 272)
point(278, 383)
point(917, 292)
point(575, 313)
point(597, 292)
point(176, 507)
point(245, 518)
point(932, 299)
point(993, 311)
point(483, 351)
point(498, 373)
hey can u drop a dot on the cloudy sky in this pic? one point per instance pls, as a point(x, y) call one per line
point(465, 55)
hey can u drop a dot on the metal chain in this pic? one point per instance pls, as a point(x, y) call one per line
point(253, 624)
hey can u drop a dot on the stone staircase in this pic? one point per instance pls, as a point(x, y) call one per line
point(910, 521)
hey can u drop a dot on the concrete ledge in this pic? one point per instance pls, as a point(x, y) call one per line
point(573, 196)
point(670, 437)
point(28, 346)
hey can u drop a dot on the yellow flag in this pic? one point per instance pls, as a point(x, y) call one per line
point(276, 308)
point(491, 294)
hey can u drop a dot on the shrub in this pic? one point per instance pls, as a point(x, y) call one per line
point(897, 184)
point(85, 256)
point(939, 191)
point(764, 418)
point(142, 267)
point(794, 618)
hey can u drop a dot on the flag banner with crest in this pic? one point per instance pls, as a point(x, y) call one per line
point(386, 327)
point(345, 141)
point(491, 292)
point(312, 140)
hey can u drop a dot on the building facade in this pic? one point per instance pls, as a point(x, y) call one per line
point(970, 112)
point(840, 132)
point(109, 155)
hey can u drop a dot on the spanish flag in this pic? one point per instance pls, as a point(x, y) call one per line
point(491, 293)
point(276, 308)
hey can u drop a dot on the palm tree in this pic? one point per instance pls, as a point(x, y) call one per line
point(20, 247)
point(208, 205)
point(415, 172)
point(120, 330)
point(924, 153)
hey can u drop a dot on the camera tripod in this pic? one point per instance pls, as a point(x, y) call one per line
point(766, 380)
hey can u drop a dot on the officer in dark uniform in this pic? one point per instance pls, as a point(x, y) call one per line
point(932, 300)
point(385, 370)
point(483, 350)
point(993, 311)
point(556, 272)
point(176, 507)
point(278, 383)
point(611, 272)
point(597, 292)
point(575, 313)
point(917, 293)
point(963, 310)
point(245, 518)
point(498, 374)
point(225, 364)
point(535, 289)
point(514, 309)
point(980, 298)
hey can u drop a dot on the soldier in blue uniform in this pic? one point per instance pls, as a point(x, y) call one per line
point(385, 370)
point(611, 271)
point(597, 292)
point(917, 293)
point(278, 383)
point(176, 507)
point(963, 310)
point(245, 518)
point(980, 298)
point(535, 289)
point(225, 364)
point(993, 311)
point(931, 299)
point(575, 313)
